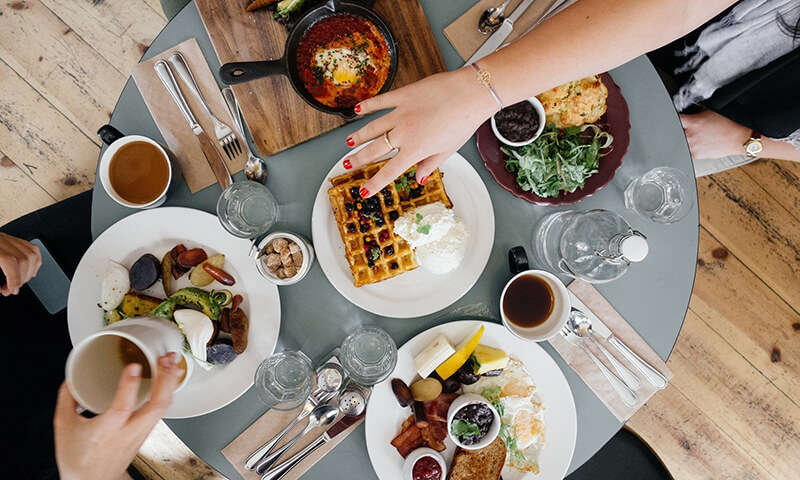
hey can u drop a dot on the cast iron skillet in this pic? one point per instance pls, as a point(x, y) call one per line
point(240, 72)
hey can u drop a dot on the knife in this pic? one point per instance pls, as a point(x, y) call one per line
point(496, 39)
point(213, 157)
point(554, 8)
point(651, 374)
point(340, 426)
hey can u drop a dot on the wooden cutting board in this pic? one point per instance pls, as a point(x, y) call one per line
point(276, 116)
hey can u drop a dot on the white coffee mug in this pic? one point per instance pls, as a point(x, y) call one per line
point(558, 317)
point(95, 365)
point(116, 140)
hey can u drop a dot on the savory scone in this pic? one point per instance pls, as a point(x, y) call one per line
point(575, 103)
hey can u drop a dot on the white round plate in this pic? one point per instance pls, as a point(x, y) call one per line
point(430, 293)
point(157, 231)
point(385, 415)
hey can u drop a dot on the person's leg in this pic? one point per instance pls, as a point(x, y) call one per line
point(172, 7)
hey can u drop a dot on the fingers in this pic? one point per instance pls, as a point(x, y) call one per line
point(368, 154)
point(371, 130)
point(126, 398)
point(166, 380)
point(374, 104)
point(66, 408)
point(35, 260)
point(10, 265)
point(19, 260)
point(393, 169)
point(427, 166)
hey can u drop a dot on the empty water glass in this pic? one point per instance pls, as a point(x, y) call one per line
point(369, 355)
point(663, 195)
point(283, 381)
point(247, 209)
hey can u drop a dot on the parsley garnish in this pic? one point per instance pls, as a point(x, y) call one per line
point(375, 253)
point(508, 437)
point(424, 229)
point(464, 428)
point(493, 395)
point(419, 217)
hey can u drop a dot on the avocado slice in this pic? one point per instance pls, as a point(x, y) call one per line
point(188, 296)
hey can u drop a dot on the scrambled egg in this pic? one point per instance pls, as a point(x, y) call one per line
point(522, 412)
point(575, 103)
point(342, 66)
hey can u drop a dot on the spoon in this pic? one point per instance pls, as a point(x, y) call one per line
point(582, 326)
point(322, 416)
point(492, 18)
point(255, 169)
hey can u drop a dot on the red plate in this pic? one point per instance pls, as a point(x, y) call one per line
point(615, 121)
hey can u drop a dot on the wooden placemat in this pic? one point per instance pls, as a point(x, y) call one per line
point(179, 137)
point(465, 37)
point(587, 299)
point(276, 116)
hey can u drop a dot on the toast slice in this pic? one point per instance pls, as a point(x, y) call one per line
point(483, 464)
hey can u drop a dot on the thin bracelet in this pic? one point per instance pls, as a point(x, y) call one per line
point(486, 79)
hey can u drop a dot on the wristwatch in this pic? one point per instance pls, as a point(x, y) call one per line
point(753, 146)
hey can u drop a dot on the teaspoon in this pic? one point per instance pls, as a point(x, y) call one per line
point(492, 18)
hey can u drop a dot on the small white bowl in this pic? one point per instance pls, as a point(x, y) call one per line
point(537, 105)
point(305, 248)
point(411, 459)
point(461, 402)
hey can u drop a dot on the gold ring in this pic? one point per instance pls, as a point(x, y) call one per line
point(388, 143)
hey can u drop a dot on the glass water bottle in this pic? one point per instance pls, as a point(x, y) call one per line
point(596, 246)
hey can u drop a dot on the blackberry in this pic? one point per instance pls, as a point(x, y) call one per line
point(415, 192)
point(370, 263)
point(394, 266)
point(348, 207)
point(388, 201)
point(354, 192)
point(364, 229)
point(379, 221)
point(351, 228)
point(394, 215)
point(389, 250)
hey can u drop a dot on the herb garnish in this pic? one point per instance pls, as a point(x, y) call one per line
point(375, 253)
point(464, 428)
point(507, 435)
point(559, 160)
point(493, 395)
point(403, 183)
point(424, 229)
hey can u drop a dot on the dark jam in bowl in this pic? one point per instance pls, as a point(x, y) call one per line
point(481, 415)
point(426, 468)
point(517, 123)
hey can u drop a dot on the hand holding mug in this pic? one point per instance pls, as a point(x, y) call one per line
point(19, 262)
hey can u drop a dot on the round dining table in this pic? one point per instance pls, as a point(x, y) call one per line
point(652, 296)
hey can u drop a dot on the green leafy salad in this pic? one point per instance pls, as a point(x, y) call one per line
point(559, 160)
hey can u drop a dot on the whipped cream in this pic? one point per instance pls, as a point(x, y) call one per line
point(437, 236)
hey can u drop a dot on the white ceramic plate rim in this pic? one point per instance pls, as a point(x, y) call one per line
point(384, 414)
point(156, 231)
point(418, 292)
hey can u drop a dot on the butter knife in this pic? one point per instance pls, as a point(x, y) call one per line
point(496, 39)
point(651, 374)
point(278, 472)
point(213, 157)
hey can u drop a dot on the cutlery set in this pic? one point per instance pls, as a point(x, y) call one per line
point(225, 136)
point(580, 331)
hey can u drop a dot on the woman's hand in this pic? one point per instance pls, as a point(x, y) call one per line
point(19, 261)
point(104, 446)
point(430, 120)
point(710, 135)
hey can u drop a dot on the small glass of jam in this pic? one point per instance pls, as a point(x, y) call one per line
point(424, 464)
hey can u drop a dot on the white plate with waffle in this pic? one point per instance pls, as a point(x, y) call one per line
point(417, 292)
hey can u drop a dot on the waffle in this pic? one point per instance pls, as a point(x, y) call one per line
point(372, 249)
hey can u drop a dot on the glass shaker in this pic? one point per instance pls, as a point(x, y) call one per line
point(596, 246)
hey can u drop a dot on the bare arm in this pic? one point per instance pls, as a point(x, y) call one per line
point(433, 118)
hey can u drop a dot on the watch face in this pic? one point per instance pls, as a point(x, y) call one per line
point(753, 147)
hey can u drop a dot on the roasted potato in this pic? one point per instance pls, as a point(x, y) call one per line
point(239, 325)
point(137, 304)
point(201, 278)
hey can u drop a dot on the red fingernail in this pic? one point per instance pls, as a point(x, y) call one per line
point(350, 142)
point(363, 192)
point(423, 180)
point(347, 164)
point(357, 108)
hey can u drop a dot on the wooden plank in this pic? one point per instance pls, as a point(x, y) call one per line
point(749, 315)
point(19, 194)
point(780, 178)
point(120, 31)
point(164, 455)
point(276, 116)
point(737, 397)
point(761, 233)
point(42, 142)
point(63, 68)
point(689, 443)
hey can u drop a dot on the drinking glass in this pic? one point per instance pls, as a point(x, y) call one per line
point(247, 209)
point(369, 355)
point(283, 381)
point(662, 195)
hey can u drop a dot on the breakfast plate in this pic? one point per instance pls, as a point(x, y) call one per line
point(385, 416)
point(157, 231)
point(417, 292)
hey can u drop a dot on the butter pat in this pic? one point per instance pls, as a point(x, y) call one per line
point(433, 355)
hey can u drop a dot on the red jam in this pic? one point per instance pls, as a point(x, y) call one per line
point(426, 468)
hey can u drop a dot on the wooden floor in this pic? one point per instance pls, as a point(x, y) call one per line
point(731, 412)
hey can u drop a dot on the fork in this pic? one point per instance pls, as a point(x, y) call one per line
point(225, 136)
point(626, 394)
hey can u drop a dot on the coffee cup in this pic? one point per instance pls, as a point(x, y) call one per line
point(134, 170)
point(95, 365)
point(534, 305)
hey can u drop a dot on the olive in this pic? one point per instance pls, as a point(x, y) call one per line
point(451, 385)
point(466, 375)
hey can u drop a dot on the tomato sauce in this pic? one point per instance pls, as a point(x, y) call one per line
point(342, 60)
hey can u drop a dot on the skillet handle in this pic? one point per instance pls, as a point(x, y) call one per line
point(240, 72)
